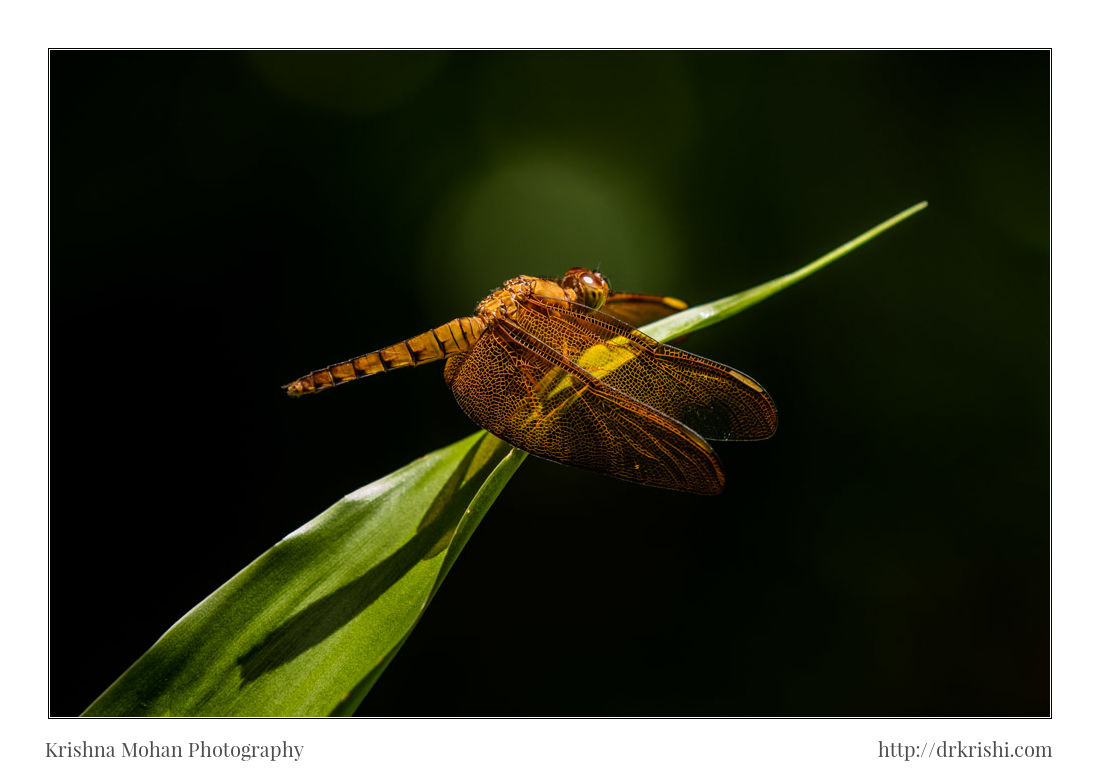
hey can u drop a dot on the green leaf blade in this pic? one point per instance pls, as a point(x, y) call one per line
point(309, 620)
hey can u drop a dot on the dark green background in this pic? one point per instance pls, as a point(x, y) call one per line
point(223, 222)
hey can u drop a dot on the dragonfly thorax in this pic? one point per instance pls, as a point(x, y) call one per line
point(505, 301)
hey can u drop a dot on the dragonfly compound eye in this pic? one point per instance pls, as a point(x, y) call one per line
point(590, 287)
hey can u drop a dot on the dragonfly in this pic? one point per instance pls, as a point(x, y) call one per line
point(556, 367)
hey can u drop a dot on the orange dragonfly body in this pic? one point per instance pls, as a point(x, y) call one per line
point(556, 368)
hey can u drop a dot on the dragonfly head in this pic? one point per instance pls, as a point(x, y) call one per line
point(589, 286)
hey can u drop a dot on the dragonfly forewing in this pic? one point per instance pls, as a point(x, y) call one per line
point(718, 402)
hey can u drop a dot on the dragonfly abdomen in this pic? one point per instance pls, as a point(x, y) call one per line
point(456, 336)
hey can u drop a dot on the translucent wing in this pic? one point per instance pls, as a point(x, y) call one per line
point(718, 402)
point(640, 309)
point(529, 395)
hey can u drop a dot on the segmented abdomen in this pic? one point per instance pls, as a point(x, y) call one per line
point(456, 336)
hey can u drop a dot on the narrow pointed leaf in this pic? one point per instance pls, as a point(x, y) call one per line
point(314, 620)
